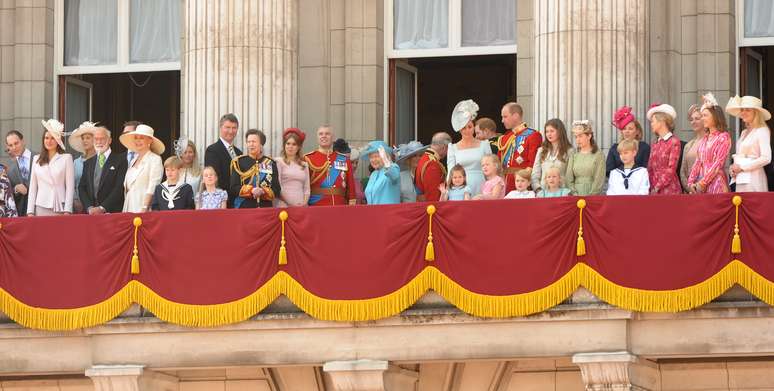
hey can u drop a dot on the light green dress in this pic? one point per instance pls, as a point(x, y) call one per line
point(586, 173)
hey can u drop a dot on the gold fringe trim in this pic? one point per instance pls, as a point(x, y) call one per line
point(394, 303)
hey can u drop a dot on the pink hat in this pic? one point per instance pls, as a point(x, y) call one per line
point(622, 117)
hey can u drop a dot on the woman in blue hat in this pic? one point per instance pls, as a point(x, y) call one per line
point(384, 184)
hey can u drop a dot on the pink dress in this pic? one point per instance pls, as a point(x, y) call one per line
point(711, 157)
point(294, 182)
point(662, 166)
point(487, 189)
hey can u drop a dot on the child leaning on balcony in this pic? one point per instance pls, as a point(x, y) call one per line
point(628, 178)
point(494, 187)
point(554, 186)
point(521, 179)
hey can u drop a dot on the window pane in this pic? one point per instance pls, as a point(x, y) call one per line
point(155, 31)
point(488, 22)
point(90, 32)
point(421, 24)
point(758, 18)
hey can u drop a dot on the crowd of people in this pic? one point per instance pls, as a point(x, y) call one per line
point(482, 165)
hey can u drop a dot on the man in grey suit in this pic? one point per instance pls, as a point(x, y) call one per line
point(20, 168)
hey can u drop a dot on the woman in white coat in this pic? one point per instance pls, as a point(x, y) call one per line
point(52, 180)
point(145, 170)
point(753, 148)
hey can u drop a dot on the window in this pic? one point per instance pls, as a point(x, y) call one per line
point(431, 28)
point(155, 31)
point(109, 36)
point(755, 24)
point(90, 32)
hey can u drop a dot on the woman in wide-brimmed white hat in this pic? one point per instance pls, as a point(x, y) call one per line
point(52, 181)
point(145, 170)
point(753, 148)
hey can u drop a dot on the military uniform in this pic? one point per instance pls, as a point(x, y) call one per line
point(332, 181)
point(517, 150)
point(248, 173)
point(429, 173)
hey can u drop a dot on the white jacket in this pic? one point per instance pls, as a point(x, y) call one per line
point(53, 185)
point(141, 180)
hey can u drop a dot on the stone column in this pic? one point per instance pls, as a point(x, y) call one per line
point(618, 371)
point(26, 67)
point(130, 378)
point(239, 56)
point(590, 57)
point(369, 375)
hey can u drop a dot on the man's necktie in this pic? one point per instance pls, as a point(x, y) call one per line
point(23, 167)
point(231, 151)
point(101, 160)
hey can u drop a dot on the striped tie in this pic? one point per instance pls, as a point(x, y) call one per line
point(231, 151)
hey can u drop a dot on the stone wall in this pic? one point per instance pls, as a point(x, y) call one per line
point(692, 51)
point(26, 66)
point(341, 68)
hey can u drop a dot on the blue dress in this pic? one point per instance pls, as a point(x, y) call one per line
point(384, 186)
point(458, 193)
point(544, 193)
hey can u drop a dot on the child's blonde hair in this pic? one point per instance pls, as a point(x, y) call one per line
point(496, 162)
point(457, 168)
point(558, 174)
point(628, 145)
point(202, 186)
point(524, 174)
point(173, 162)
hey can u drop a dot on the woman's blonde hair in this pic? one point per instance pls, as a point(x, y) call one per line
point(666, 119)
point(758, 121)
point(196, 167)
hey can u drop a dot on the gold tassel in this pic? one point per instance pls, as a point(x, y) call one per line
point(135, 264)
point(283, 253)
point(430, 249)
point(736, 242)
point(135, 258)
point(581, 247)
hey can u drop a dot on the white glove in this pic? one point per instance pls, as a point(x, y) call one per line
point(385, 158)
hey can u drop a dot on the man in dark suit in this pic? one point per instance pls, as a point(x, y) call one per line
point(221, 152)
point(20, 168)
point(102, 184)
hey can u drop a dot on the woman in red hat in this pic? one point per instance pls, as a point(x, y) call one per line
point(629, 129)
point(293, 170)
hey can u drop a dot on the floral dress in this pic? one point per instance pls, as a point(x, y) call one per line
point(712, 153)
point(7, 203)
point(662, 166)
